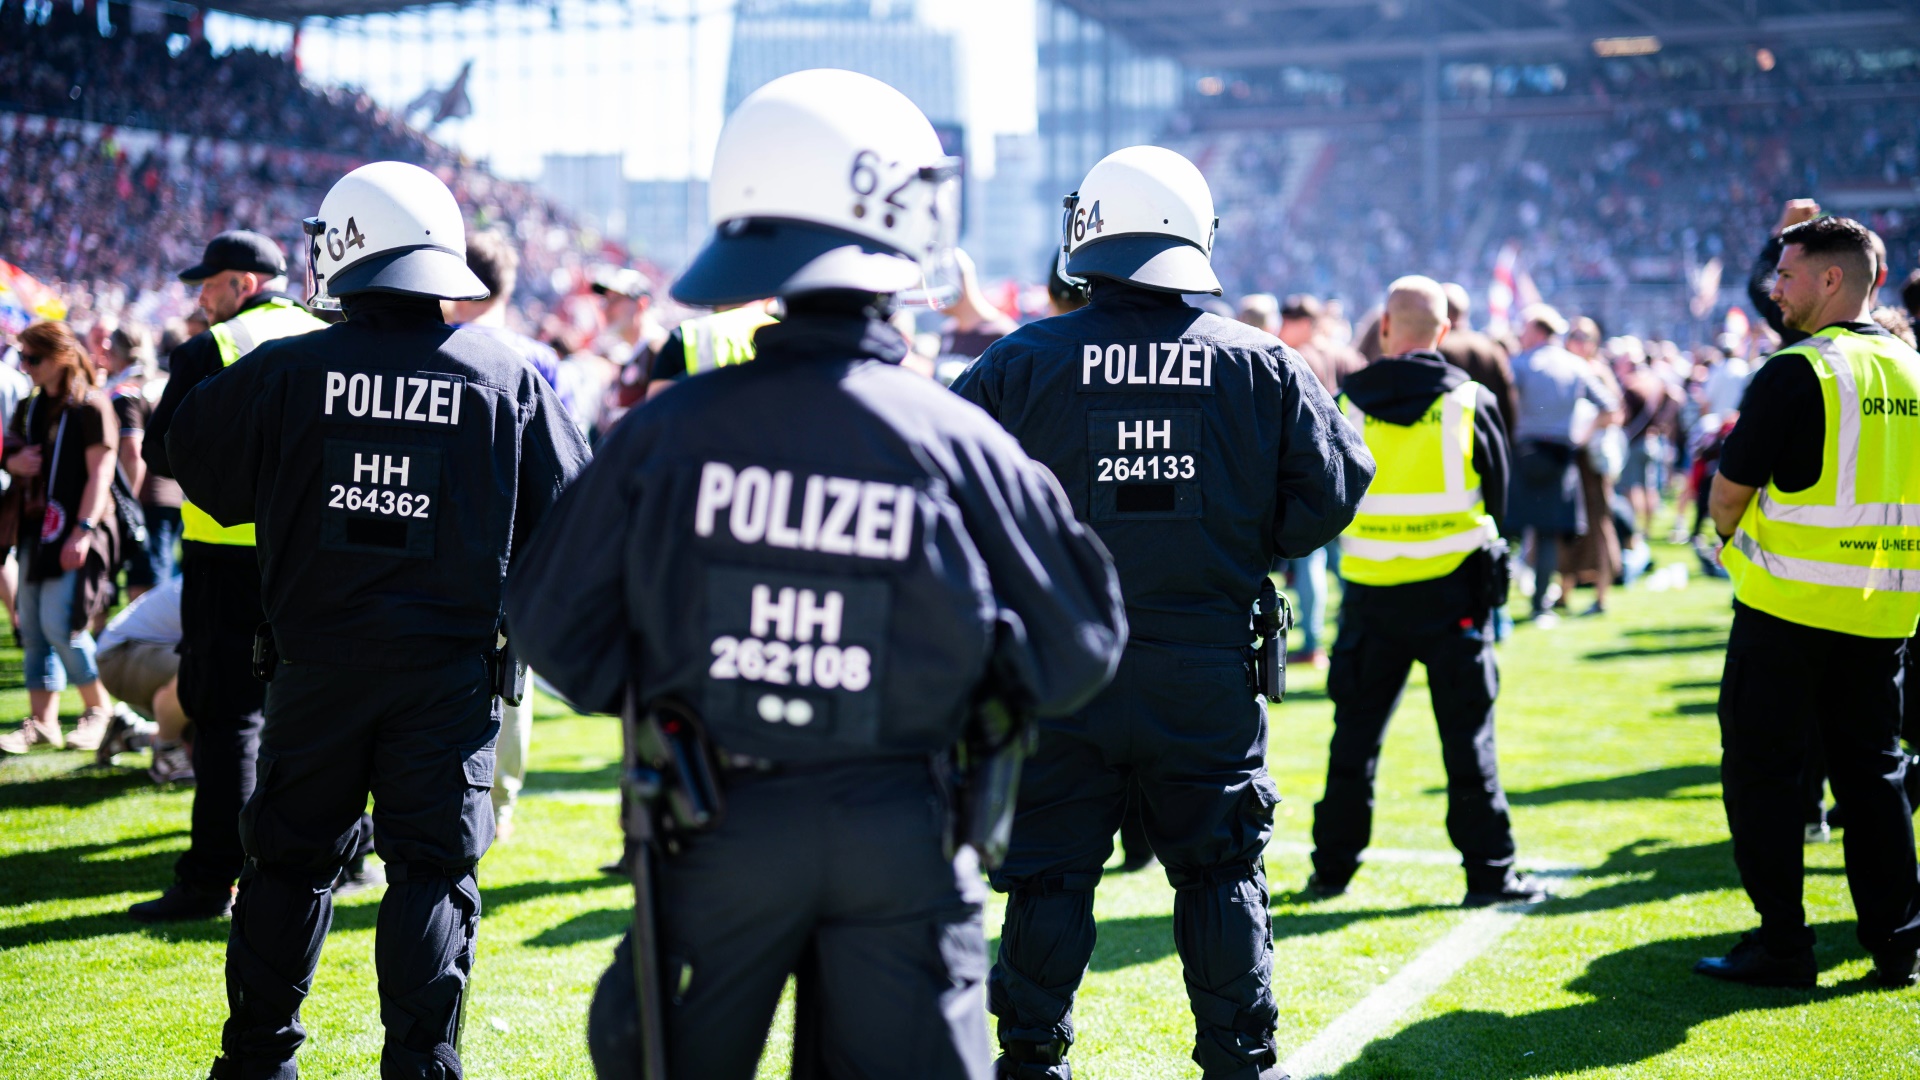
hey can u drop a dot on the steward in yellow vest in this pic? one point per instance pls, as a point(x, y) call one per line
point(1424, 568)
point(708, 342)
point(239, 277)
point(1818, 500)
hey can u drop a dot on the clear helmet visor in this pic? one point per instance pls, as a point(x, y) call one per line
point(317, 296)
point(932, 199)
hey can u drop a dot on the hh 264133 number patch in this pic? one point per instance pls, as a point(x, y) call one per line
point(1144, 464)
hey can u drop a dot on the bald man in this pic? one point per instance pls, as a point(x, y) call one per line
point(1425, 569)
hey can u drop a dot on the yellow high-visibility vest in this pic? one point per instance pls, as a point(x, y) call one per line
point(238, 336)
point(1424, 513)
point(721, 339)
point(1844, 554)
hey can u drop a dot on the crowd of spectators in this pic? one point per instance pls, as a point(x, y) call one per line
point(64, 67)
point(109, 200)
point(1619, 203)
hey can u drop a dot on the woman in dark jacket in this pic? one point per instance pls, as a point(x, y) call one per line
point(60, 450)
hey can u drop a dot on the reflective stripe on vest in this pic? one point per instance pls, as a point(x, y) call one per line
point(721, 339)
point(235, 338)
point(1424, 513)
point(1844, 554)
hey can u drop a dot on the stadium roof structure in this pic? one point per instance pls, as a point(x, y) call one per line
point(293, 11)
point(1249, 34)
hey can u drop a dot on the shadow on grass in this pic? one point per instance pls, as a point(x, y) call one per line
point(1644, 1004)
point(84, 786)
point(1656, 871)
point(1643, 652)
point(603, 925)
point(351, 915)
point(1703, 684)
point(86, 870)
point(1144, 939)
point(606, 777)
point(1671, 631)
point(1697, 708)
point(1652, 784)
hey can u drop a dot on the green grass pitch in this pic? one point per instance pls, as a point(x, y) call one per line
point(1608, 748)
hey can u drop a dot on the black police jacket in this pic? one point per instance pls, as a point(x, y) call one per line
point(392, 465)
point(823, 553)
point(1197, 446)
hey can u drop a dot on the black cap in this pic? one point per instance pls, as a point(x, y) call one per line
point(238, 249)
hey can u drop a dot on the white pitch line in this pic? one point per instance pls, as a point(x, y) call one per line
point(1428, 858)
point(1341, 1041)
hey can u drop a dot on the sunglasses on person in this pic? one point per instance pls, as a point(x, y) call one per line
point(31, 359)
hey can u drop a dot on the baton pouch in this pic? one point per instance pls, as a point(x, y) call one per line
point(508, 674)
point(676, 768)
point(266, 655)
point(986, 780)
point(1492, 576)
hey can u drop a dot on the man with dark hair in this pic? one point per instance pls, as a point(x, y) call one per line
point(1760, 279)
point(1910, 295)
point(1481, 357)
point(1817, 506)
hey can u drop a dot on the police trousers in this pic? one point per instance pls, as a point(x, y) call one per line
point(1789, 691)
point(219, 610)
point(421, 742)
point(1367, 675)
point(833, 874)
point(1184, 725)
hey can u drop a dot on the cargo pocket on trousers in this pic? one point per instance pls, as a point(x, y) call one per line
point(1263, 794)
point(476, 801)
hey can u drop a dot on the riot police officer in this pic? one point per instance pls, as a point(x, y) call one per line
point(391, 465)
point(826, 558)
point(1199, 448)
point(1425, 569)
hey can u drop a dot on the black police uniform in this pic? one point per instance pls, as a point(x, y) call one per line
point(824, 554)
point(1199, 448)
point(1441, 623)
point(391, 464)
point(219, 611)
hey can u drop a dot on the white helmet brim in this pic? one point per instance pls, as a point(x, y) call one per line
point(421, 271)
point(752, 259)
point(1151, 261)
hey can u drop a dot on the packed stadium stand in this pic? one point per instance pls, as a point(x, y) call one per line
point(119, 157)
point(1616, 181)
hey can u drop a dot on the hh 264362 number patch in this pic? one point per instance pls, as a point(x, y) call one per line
point(379, 498)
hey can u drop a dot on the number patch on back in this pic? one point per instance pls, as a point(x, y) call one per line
point(800, 654)
point(1144, 464)
point(379, 498)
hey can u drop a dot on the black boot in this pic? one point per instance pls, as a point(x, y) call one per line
point(1749, 962)
point(182, 902)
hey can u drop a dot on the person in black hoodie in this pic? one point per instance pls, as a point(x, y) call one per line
point(1423, 576)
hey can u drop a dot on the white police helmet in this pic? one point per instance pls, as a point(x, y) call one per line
point(827, 179)
point(388, 227)
point(1143, 215)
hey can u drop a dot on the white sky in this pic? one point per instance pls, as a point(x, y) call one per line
point(614, 79)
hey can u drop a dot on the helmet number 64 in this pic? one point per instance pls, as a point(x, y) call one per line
point(337, 245)
point(1087, 220)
